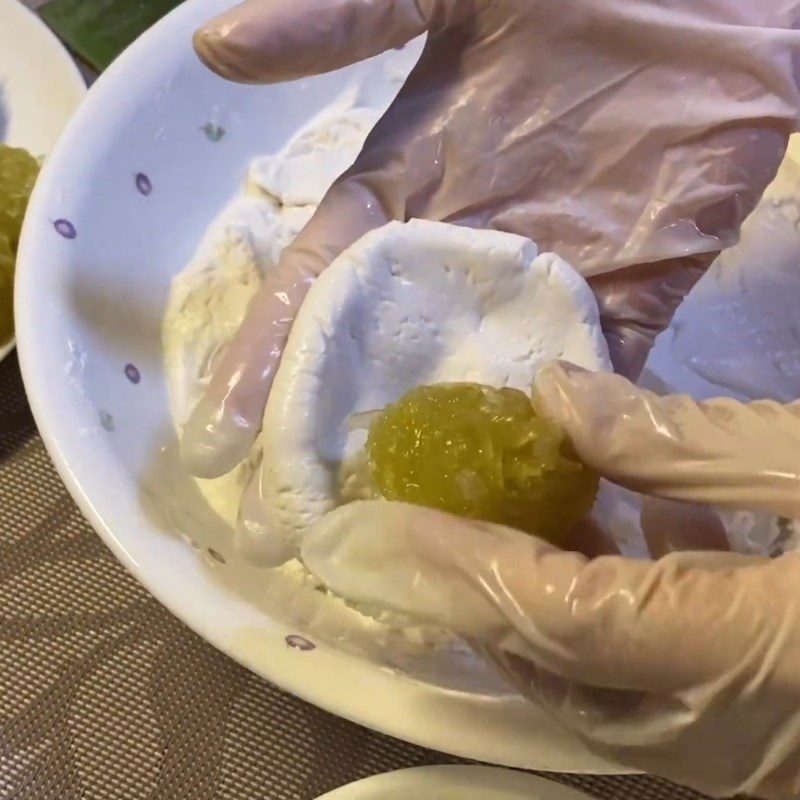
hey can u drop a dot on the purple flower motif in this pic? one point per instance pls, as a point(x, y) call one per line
point(213, 132)
point(65, 228)
point(300, 643)
point(132, 373)
point(107, 421)
point(143, 184)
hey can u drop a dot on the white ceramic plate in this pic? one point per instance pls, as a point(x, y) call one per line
point(149, 159)
point(454, 783)
point(40, 86)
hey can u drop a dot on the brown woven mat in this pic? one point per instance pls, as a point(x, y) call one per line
point(105, 695)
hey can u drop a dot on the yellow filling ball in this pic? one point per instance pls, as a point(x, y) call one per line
point(18, 172)
point(481, 453)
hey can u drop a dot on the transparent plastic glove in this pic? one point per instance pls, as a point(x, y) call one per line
point(687, 667)
point(632, 137)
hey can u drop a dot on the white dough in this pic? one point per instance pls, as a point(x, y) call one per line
point(302, 173)
point(209, 298)
point(409, 304)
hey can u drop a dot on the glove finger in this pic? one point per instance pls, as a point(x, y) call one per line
point(717, 452)
point(268, 41)
point(374, 190)
point(586, 710)
point(637, 303)
point(223, 426)
point(256, 538)
point(609, 623)
point(348, 551)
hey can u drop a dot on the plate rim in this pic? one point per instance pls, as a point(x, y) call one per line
point(525, 784)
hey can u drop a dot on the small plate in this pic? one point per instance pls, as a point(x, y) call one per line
point(454, 783)
point(40, 86)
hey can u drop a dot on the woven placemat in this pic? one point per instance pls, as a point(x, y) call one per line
point(104, 695)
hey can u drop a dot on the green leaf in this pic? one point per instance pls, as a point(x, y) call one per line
point(99, 30)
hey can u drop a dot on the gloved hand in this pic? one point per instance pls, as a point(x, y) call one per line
point(687, 667)
point(632, 137)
